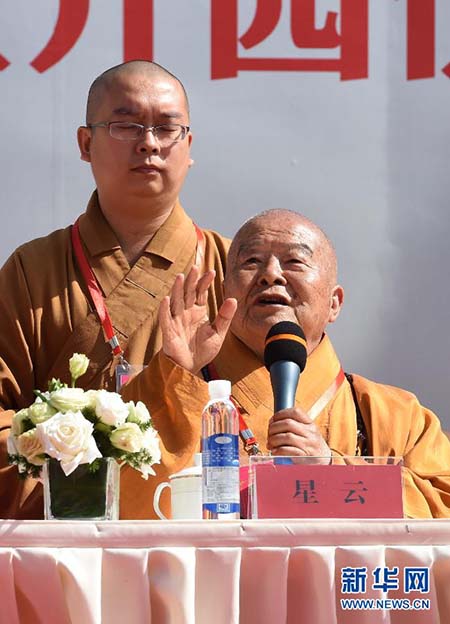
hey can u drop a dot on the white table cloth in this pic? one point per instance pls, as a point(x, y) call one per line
point(252, 571)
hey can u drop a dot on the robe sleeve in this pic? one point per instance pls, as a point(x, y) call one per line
point(398, 425)
point(426, 467)
point(175, 399)
point(19, 498)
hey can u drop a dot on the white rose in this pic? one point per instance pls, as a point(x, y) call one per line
point(68, 438)
point(17, 426)
point(127, 437)
point(68, 399)
point(110, 408)
point(29, 445)
point(78, 365)
point(151, 444)
point(91, 398)
point(138, 413)
point(40, 411)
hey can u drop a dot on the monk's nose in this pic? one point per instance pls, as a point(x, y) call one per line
point(148, 143)
point(272, 272)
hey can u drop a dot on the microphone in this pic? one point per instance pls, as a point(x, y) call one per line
point(285, 358)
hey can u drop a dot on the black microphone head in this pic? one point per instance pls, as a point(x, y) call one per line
point(285, 341)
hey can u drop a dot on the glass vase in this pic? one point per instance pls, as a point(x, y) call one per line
point(84, 494)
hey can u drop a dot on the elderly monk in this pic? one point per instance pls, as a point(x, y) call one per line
point(134, 236)
point(282, 267)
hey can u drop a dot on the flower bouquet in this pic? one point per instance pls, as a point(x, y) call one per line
point(75, 441)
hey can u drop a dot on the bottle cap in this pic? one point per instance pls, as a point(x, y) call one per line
point(219, 389)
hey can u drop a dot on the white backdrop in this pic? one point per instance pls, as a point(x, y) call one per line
point(366, 159)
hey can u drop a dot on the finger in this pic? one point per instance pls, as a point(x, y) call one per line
point(164, 310)
point(190, 287)
point(203, 286)
point(293, 413)
point(313, 445)
point(291, 425)
point(165, 318)
point(224, 316)
point(177, 296)
point(287, 438)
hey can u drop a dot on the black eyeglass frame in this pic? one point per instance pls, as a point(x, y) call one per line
point(184, 130)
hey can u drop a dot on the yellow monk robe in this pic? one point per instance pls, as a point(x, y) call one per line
point(396, 423)
point(46, 316)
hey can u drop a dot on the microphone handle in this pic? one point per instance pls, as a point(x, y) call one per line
point(284, 376)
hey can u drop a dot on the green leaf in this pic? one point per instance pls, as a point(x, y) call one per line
point(43, 398)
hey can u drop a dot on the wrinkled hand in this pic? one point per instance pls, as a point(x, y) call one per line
point(188, 336)
point(292, 432)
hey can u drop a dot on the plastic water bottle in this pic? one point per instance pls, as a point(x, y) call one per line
point(220, 454)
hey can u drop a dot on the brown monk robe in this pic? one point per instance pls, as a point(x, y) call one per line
point(136, 237)
point(282, 267)
point(395, 422)
point(46, 317)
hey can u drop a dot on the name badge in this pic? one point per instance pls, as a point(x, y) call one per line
point(125, 371)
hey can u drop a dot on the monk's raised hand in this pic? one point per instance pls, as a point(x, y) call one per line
point(188, 336)
point(292, 432)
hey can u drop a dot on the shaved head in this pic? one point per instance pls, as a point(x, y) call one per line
point(286, 220)
point(282, 267)
point(137, 68)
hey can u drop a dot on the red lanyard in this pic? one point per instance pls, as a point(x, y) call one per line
point(94, 289)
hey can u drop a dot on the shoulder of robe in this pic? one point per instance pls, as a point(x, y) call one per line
point(395, 412)
point(35, 254)
point(214, 239)
point(384, 397)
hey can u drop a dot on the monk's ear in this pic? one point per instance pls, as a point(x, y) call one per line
point(84, 136)
point(189, 140)
point(224, 286)
point(336, 303)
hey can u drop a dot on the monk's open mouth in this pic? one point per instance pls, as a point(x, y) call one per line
point(272, 301)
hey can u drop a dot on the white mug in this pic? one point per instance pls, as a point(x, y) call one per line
point(185, 494)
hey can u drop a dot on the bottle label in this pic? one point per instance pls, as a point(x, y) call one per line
point(222, 508)
point(220, 457)
point(221, 489)
point(220, 449)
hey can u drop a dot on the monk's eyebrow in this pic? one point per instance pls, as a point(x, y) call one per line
point(245, 248)
point(123, 110)
point(172, 114)
point(303, 247)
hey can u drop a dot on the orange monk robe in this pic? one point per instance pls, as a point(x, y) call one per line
point(46, 316)
point(396, 423)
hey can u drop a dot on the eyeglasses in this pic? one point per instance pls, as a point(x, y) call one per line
point(165, 134)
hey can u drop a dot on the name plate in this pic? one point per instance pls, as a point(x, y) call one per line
point(289, 490)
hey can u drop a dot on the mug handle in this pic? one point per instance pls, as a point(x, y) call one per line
point(160, 487)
